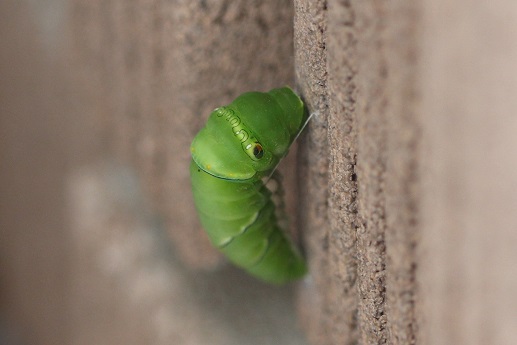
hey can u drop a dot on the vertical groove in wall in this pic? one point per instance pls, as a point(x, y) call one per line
point(403, 182)
point(311, 77)
point(387, 146)
point(342, 134)
point(371, 171)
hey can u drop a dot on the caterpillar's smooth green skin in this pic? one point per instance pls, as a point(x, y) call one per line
point(240, 144)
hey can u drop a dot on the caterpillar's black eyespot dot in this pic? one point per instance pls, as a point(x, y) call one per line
point(258, 151)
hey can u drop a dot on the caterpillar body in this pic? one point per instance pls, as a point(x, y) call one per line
point(240, 145)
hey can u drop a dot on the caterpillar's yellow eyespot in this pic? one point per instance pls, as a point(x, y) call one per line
point(258, 151)
point(254, 150)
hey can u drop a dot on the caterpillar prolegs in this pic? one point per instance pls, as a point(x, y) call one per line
point(240, 145)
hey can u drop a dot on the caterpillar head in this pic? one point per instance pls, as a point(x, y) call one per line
point(247, 138)
point(228, 149)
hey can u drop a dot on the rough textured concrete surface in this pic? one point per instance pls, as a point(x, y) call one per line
point(402, 191)
point(399, 90)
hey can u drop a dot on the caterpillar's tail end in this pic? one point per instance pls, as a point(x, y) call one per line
point(299, 270)
point(296, 271)
point(280, 266)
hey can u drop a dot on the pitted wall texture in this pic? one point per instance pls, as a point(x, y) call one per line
point(360, 231)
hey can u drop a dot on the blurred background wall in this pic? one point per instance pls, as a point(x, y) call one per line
point(99, 101)
point(38, 146)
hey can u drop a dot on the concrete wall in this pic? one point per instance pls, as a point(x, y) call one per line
point(402, 190)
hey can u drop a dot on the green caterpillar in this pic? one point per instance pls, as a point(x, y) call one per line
point(240, 145)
